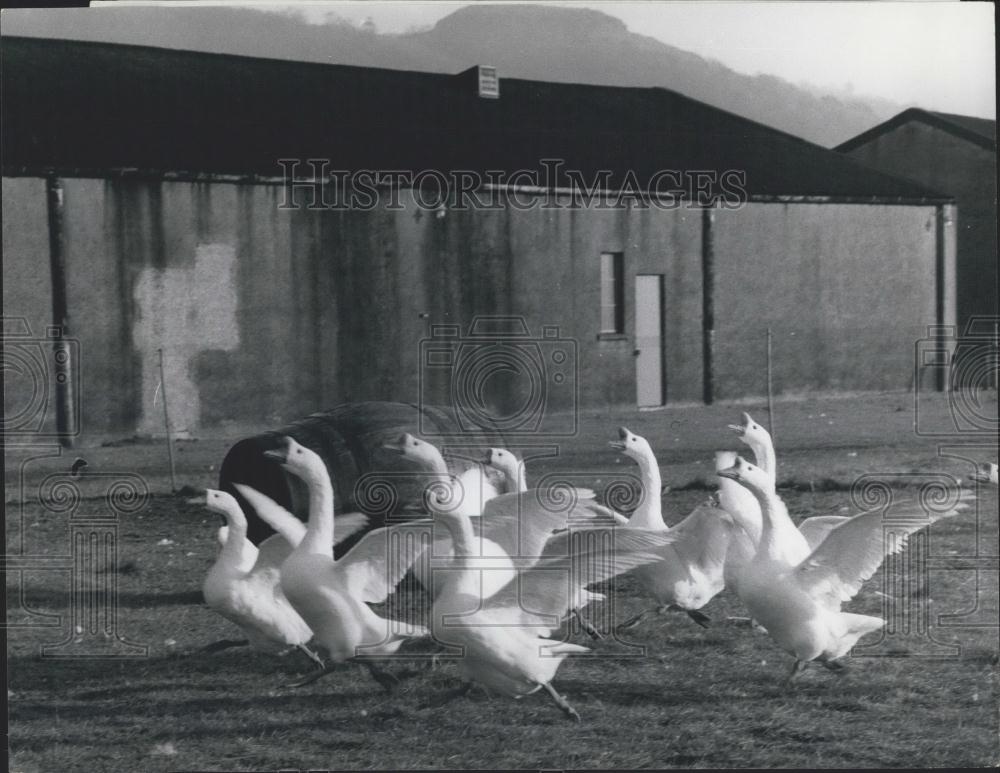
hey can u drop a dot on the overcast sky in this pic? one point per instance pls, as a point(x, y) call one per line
point(936, 54)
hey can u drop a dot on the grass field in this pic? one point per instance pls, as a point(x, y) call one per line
point(691, 698)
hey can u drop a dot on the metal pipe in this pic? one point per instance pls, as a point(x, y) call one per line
point(65, 414)
point(707, 305)
point(166, 425)
point(770, 389)
point(941, 374)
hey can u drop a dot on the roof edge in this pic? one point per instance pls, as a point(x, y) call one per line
point(916, 114)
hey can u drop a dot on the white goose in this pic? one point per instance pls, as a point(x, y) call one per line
point(692, 572)
point(243, 584)
point(510, 525)
point(504, 639)
point(798, 602)
point(332, 596)
point(472, 487)
point(515, 480)
point(815, 528)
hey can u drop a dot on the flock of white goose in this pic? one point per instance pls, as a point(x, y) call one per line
point(512, 564)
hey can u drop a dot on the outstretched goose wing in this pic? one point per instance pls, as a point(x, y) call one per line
point(853, 552)
point(374, 567)
point(818, 527)
point(545, 592)
point(521, 523)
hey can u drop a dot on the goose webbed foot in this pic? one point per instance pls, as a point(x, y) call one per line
point(699, 617)
point(561, 702)
point(836, 666)
point(316, 675)
point(388, 681)
point(797, 668)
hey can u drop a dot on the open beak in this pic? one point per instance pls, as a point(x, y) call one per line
point(738, 429)
point(619, 445)
point(730, 472)
point(397, 446)
point(488, 458)
point(276, 455)
point(981, 475)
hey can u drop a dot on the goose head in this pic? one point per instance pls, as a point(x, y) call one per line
point(750, 431)
point(505, 461)
point(753, 434)
point(985, 473)
point(225, 505)
point(632, 445)
point(750, 476)
point(415, 450)
point(302, 462)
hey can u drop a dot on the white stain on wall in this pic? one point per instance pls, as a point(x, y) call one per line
point(184, 311)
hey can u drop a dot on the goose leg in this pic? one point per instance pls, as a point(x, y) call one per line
point(314, 657)
point(593, 632)
point(316, 675)
point(797, 668)
point(384, 678)
point(561, 702)
point(224, 644)
point(699, 617)
point(634, 620)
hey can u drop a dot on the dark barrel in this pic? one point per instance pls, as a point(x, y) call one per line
point(349, 437)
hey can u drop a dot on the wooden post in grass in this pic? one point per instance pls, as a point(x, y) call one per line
point(770, 390)
point(166, 426)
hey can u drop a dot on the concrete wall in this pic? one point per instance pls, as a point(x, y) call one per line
point(965, 170)
point(846, 288)
point(265, 314)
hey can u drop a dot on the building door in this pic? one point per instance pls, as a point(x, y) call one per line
point(649, 339)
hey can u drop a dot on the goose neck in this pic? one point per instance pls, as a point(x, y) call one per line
point(319, 530)
point(649, 514)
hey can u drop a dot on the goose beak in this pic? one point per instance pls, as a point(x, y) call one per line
point(738, 429)
point(619, 445)
point(488, 458)
point(732, 473)
point(982, 474)
point(398, 446)
point(279, 455)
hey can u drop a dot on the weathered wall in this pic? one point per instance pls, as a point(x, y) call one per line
point(846, 288)
point(952, 165)
point(27, 295)
point(265, 314)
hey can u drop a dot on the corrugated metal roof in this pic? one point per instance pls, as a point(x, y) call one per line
point(979, 131)
point(96, 107)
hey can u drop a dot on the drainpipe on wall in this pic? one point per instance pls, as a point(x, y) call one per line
point(65, 419)
point(942, 374)
point(707, 304)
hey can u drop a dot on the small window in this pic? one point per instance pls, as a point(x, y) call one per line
point(612, 293)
